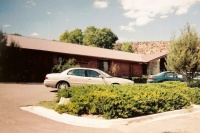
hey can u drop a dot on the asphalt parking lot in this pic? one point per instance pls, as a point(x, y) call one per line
point(14, 120)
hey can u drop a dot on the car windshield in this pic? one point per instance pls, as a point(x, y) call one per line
point(105, 74)
point(160, 74)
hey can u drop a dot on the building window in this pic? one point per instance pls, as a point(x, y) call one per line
point(104, 65)
point(60, 60)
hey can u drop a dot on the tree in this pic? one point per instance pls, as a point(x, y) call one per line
point(65, 64)
point(117, 46)
point(89, 36)
point(75, 36)
point(3, 42)
point(10, 60)
point(127, 47)
point(64, 37)
point(92, 36)
point(184, 54)
point(103, 38)
point(16, 34)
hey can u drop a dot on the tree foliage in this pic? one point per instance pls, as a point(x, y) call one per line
point(117, 46)
point(3, 42)
point(10, 60)
point(103, 38)
point(64, 37)
point(16, 34)
point(184, 53)
point(127, 47)
point(75, 36)
point(92, 36)
point(65, 64)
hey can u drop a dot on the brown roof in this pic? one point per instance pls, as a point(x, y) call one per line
point(150, 57)
point(76, 49)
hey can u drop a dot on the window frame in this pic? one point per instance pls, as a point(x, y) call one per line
point(84, 71)
point(87, 74)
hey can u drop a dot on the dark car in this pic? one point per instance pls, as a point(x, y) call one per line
point(165, 76)
point(197, 76)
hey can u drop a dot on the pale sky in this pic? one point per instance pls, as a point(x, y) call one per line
point(130, 20)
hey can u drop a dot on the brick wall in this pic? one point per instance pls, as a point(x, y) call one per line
point(120, 69)
point(116, 68)
point(137, 70)
point(125, 69)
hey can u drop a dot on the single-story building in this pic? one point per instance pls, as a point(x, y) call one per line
point(116, 63)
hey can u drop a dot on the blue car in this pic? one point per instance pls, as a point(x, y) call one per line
point(165, 76)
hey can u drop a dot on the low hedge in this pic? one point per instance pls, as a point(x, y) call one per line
point(116, 101)
point(195, 83)
point(139, 80)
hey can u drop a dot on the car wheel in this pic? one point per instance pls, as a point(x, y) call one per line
point(115, 84)
point(63, 85)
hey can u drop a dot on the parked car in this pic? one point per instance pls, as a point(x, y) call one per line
point(165, 76)
point(81, 76)
point(197, 76)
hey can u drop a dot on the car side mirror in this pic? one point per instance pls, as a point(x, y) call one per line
point(101, 76)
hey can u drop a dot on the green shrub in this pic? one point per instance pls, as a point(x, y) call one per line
point(195, 83)
point(116, 101)
point(63, 93)
point(139, 80)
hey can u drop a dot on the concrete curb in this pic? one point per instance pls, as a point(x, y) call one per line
point(102, 123)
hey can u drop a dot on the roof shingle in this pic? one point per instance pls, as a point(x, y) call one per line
point(76, 49)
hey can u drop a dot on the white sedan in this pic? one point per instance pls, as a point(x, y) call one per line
point(81, 76)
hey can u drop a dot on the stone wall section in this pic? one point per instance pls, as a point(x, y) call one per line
point(153, 67)
point(151, 47)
